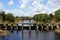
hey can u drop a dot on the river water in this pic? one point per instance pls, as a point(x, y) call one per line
point(31, 35)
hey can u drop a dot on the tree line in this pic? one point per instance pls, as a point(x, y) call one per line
point(6, 17)
point(42, 17)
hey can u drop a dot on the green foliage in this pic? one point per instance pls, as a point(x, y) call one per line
point(17, 18)
point(2, 14)
point(9, 17)
point(57, 15)
point(51, 16)
point(46, 18)
point(41, 17)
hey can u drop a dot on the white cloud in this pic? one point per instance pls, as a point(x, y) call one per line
point(6, 11)
point(15, 12)
point(11, 2)
point(24, 3)
point(22, 6)
point(54, 6)
point(35, 8)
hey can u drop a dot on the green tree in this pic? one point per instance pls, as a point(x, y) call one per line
point(2, 14)
point(51, 16)
point(9, 17)
point(57, 15)
point(17, 18)
point(41, 17)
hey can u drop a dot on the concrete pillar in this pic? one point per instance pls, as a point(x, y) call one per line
point(30, 27)
point(6, 26)
point(17, 27)
point(42, 27)
point(57, 26)
point(30, 24)
point(22, 26)
point(22, 22)
point(52, 27)
point(11, 26)
point(36, 28)
point(47, 27)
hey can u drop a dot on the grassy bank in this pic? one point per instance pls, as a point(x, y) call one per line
point(4, 32)
point(57, 30)
point(9, 23)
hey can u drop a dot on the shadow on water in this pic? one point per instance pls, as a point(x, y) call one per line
point(31, 35)
point(57, 36)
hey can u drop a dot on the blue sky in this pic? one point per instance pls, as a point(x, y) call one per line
point(29, 7)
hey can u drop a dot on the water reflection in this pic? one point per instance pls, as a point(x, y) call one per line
point(31, 35)
point(57, 37)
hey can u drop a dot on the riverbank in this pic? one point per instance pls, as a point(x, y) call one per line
point(4, 32)
point(9, 23)
point(57, 30)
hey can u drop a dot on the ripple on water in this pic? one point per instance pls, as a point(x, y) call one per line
point(31, 35)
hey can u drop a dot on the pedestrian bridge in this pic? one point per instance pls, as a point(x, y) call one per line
point(27, 23)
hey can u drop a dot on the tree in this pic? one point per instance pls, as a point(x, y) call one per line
point(2, 14)
point(51, 16)
point(9, 17)
point(41, 17)
point(17, 18)
point(57, 15)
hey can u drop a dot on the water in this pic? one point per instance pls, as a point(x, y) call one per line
point(31, 35)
